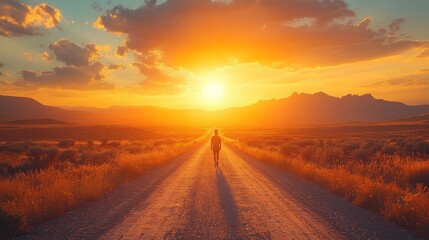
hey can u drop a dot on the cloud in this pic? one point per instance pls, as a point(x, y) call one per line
point(116, 67)
point(81, 72)
point(96, 6)
point(198, 34)
point(28, 56)
point(160, 79)
point(419, 79)
point(82, 78)
point(395, 25)
point(19, 19)
point(122, 50)
point(1, 65)
point(423, 54)
point(72, 54)
point(46, 57)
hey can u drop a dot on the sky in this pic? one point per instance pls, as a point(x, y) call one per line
point(212, 54)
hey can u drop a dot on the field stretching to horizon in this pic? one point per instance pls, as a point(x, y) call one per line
point(382, 167)
point(44, 177)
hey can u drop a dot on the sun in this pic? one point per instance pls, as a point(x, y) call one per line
point(213, 91)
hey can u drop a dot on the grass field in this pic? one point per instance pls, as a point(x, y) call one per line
point(46, 177)
point(381, 167)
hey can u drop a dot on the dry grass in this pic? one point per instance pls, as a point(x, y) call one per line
point(45, 179)
point(389, 176)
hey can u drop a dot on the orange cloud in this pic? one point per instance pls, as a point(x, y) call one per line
point(198, 34)
point(423, 54)
point(18, 19)
point(417, 80)
point(160, 79)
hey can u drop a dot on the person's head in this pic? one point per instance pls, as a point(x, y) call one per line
point(216, 132)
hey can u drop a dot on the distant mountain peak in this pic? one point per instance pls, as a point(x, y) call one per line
point(364, 96)
point(298, 108)
point(321, 94)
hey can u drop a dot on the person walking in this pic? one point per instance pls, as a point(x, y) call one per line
point(215, 146)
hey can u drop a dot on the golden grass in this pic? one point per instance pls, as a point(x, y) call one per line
point(29, 198)
point(389, 186)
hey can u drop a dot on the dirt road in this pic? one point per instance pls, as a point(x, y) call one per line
point(189, 198)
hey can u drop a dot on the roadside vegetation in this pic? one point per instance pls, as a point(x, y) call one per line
point(387, 172)
point(43, 179)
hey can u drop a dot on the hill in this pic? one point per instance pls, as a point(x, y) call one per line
point(34, 122)
point(23, 108)
point(297, 109)
point(320, 108)
point(419, 118)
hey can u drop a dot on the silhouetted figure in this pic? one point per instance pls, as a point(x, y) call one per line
point(215, 146)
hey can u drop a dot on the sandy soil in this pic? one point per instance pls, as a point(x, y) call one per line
point(190, 198)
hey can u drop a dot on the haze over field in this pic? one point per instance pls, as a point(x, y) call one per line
point(297, 109)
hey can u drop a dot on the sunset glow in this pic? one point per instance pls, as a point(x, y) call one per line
point(97, 53)
point(189, 119)
point(213, 91)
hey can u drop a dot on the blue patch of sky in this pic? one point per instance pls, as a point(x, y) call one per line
point(384, 11)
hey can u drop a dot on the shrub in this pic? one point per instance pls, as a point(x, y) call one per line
point(332, 156)
point(29, 198)
point(41, 157)
point(68, 155)
point(65, 143)
point(114, 144)
point(97, 157)
point(388, 148)
point(4, 168)
point(90, 143)
point(387, 176)
point(10, 225)
point(289, 149)
point(104, 141)
point(304, 143)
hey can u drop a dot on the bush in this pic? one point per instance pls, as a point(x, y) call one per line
point(97, 157)
point(68, 155)
point(104, 141)
point(387, 176)
point(90, 143)
point(10, 225)
point(115, 144)
point(332, 156)
point(289, 149)
point(16, 148)
point(37, 196)
point(4, 168)
point(388, 148)
point(65, 143)
point(304, 143)
point(41, 157)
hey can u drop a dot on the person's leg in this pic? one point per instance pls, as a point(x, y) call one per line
point(214, 157)
point(217, 157)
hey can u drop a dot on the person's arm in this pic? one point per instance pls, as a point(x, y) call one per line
point(211, 144)
point(220, 143)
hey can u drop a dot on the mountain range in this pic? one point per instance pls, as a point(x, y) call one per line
point(297, 109)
